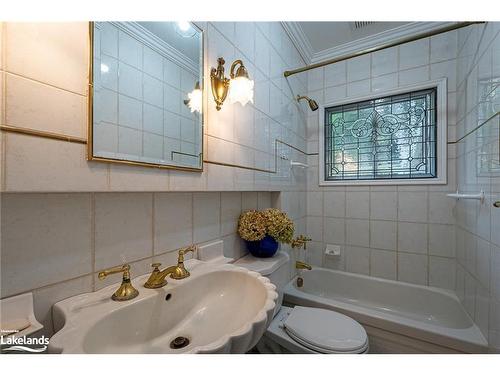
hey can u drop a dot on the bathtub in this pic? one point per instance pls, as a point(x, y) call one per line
point(398, 317)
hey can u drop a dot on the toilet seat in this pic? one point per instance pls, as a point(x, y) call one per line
point(325, 331)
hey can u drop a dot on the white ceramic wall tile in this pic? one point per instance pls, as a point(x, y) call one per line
point(414, 54)
point(130, 81)
point(249, 200)
point(384, 62)
point(358, 68)
point(412, 76)
point(152, 63)
point(334, 94)
point(173, 221)
point(335, 74)
point(384, 83)
point(314, 227)
point(412, 207)
point(206, 214)
point(446, 69)
point(129, 50)
point(61, 50)
point(245, 38)
point(358, 260)
point(440, 209)
point(412, 268)
point(123, 228)
point(383, 264)
point(130, 178)
point(383, 205)
point(109, 39)
point(264, 200)
point(442, 272)
point(358, 88)
point(45, 238)
point(357, 232)
point(152, 90)
point(442, 240)
point(230, 211)
point(30, 104)
point(315, 204)
point(38, 164)
point(495, 272)
point(412, 237)
point(315, 79)
point(314, 254)
point(334, 203)
point(444, 47)
point(334, 231)
point(358, 205)
point(383, 234)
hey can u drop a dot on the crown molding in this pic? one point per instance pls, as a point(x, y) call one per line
point(299, 40)
point(149, 39)
point(303, 45)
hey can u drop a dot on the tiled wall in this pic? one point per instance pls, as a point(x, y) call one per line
point(54, 244)
point(478, 168)
point(49, 93)
point(140, 115)
point(64, 218)
point(402, 233)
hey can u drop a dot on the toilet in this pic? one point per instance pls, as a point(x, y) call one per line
point(302, 329)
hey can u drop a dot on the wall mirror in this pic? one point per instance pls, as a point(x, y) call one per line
point(146, 99)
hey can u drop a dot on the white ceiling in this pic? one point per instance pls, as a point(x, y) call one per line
point(320, 41)
point(325, 35)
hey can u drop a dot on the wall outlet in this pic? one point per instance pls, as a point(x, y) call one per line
point(332, 250)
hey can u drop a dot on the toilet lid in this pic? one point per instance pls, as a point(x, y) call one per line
point(325, 330)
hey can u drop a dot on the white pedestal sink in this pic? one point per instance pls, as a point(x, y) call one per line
point(218, 309)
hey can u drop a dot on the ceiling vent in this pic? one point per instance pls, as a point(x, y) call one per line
point(356, 25)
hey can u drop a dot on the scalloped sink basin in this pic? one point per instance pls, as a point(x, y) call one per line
point(218, 309)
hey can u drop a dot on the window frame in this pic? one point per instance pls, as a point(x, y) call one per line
point(441, 134)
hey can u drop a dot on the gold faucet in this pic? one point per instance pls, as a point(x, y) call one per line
point(300, 241)
point(157, 279)
point(126, 291)
point(302, 265)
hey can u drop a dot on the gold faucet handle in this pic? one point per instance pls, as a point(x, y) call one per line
point(110, 271)
point(126, 291)
point(185, 250)
point(156, 266)
point(181, 272)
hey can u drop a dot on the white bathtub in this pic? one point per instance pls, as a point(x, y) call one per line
point(399, 317)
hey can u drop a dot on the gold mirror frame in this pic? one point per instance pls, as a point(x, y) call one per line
point(90, 114)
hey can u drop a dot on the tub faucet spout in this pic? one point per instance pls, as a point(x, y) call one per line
point(302, 265)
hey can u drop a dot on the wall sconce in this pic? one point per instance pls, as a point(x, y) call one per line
point(239, 87)
point(195, 99)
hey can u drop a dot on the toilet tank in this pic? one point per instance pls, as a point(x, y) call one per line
point(275, 268)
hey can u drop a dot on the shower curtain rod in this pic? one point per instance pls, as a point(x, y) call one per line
point(382, 46)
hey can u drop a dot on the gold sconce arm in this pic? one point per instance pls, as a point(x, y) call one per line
point(126, 291)
point(241, 72)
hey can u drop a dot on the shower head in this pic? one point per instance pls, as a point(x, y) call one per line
point(312, 103)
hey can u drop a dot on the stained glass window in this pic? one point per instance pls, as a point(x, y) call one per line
point(392, 137)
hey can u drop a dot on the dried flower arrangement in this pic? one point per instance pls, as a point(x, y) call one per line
point(255, 225)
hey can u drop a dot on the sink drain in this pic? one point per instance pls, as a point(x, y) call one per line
point(179, 342)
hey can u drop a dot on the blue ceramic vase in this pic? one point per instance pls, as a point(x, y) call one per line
point(265, 248)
